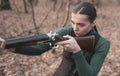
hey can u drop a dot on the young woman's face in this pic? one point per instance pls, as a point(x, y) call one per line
point(81, 24)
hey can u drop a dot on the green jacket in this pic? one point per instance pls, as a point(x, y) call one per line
point(84, 68)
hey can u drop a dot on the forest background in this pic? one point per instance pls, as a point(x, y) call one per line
point(21, 18)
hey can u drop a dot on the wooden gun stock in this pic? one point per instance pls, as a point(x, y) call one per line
point(86, 43)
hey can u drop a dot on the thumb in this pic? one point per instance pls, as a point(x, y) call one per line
point(67, 37)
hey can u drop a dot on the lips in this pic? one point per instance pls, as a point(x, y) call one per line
point(77, 34)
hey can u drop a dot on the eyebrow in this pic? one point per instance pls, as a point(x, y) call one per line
point(77, 23)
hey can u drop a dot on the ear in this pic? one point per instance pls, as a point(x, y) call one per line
point(94, 23)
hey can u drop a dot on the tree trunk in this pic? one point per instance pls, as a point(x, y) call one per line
point(25, 7)
point(5, 5)
point(67, 12)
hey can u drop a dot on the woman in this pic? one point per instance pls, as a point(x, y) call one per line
point(79, 62)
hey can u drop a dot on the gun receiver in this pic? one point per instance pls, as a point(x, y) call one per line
point(86, 43)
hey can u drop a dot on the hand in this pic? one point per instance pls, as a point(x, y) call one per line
point(70, 45)
point(2, 44)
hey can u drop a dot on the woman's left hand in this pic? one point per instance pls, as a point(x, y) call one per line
point(2, 43)
point(70, 44)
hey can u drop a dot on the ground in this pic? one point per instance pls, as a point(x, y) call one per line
point(15, 21)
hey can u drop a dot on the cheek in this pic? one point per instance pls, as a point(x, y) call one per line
point(75, 27)
point(85, 29)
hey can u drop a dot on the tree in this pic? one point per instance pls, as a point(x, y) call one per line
point(5, 5)
point(25, 6)
point(67, 12)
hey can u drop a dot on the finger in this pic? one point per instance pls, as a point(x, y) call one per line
point(3, 45)
point(62, 42)
point(2, 39)
point(67, 45)
point(67, 36)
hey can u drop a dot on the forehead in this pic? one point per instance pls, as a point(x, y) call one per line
point(79, 18)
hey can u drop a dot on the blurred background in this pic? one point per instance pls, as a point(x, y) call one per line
point(21, 18)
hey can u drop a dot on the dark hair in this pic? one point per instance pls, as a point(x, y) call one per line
point(87, 9)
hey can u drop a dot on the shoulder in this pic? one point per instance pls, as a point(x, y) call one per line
point(64, 31)
point(103, 44)
point(103, 40)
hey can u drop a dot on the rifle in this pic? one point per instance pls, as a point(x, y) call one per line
point(86, 43)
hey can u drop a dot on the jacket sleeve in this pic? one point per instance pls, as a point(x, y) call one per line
point(33, 50)
point(92, 69)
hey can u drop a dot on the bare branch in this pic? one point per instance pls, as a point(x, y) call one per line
point(25, 7)
point(33, 16)
point(42, 21)
point(67, 12)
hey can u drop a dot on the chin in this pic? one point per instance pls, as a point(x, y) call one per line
point(77, 34)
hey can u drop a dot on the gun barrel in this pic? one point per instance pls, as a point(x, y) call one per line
point(19, 42)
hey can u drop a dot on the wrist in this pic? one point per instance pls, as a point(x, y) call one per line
point(76, 51)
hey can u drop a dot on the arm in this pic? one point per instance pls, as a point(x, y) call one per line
point(33, 50)
point(92, 69)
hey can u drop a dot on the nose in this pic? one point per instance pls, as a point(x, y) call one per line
point(76, 27)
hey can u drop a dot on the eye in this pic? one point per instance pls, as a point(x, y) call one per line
point(72, 22)
point(81, 24)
